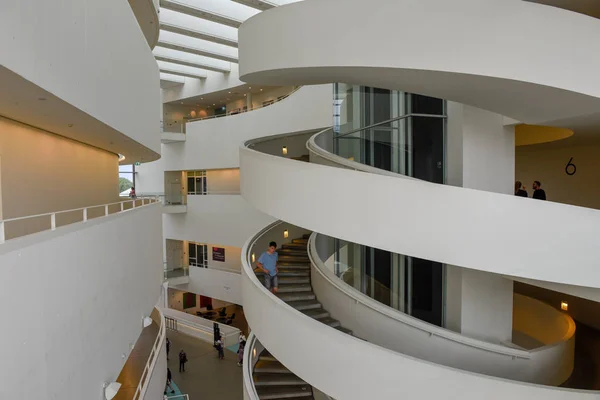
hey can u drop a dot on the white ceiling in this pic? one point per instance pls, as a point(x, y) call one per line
point(197, 35)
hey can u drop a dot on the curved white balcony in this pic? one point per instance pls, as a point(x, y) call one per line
point(548, 333)
point(213, 143)
point(470, 65)
point(146, 13)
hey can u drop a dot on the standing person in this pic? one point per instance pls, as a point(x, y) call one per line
point(519, 191)
point(169, 378)
point(538, 192)
point(132, 193)
point(268, 264)
point(168, 347)
point(241, 352)
point(182, 360)
point(242, 338)
point(220, 349)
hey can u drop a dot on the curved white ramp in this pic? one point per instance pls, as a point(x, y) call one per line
point(504, 56)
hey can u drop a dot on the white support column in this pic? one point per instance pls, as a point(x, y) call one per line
point(480, 155)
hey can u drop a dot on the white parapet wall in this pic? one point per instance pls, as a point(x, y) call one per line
point(75, 298)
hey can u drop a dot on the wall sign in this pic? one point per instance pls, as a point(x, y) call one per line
point(570, 169)
point(218, 254)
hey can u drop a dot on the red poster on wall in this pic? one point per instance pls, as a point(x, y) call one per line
point(218, 254)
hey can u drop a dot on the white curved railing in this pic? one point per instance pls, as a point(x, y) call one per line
point(251, 354)
point(344, 358)
point(550, 365)
point(202, 328)
point(85, 211)
point(231, 113)
point(159, 343)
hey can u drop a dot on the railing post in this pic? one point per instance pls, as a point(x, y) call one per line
point(133, 202)
point(106, 210)
point(122, 206)
point(1, 231)
point(53, 221)
point(84, 214)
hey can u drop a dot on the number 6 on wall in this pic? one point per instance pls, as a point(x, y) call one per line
point(570, 169)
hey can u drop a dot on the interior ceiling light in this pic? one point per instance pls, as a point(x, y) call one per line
point(249, 87)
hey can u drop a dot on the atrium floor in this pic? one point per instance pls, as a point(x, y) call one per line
point(205, 376)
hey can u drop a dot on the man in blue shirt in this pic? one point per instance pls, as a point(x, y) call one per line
point(267, 262)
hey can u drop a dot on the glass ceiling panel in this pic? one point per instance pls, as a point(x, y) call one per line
point(181, 55)
point(222, 7)
point(197, 24)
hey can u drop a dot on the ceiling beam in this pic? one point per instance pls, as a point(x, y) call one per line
point(174, 79)
point(258, 4)
point(180, 73)
point(180, 61)
point(197, 34)
point(195, 50)
point(199, 13)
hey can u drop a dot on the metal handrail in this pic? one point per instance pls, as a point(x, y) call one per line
point(391, 120)
point(152, 359)
point(280, 98)
point(84, 210)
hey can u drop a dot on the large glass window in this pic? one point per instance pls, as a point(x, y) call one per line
point(198, 255)
point(402, 133)
point(196, 183)
point(126, 179)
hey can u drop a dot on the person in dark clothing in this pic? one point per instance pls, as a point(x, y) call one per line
point(169, 378)
point(168, 347)
point(519, 191)
point(538, 192)
point(182, 360)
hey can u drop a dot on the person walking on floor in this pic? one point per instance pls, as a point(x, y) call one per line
point(267, 262)
point(538, 192)
point(519, 191)
point(182, 360)
point(240, 353)
point(168, 347)
point(169, 378)
point(220, 348)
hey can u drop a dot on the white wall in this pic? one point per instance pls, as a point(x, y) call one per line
point(88, 54)
point(223, 219)
point(547, 162)
point(214, 143)
point(42, 172)
point(226, 181)
point(221, 285)
point(77, 296)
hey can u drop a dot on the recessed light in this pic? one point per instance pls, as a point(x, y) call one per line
point(201, 98)
point(244, 94)
point(249, 87)
point(229, 92)
point(261, 90)
point(213, 104)
point(182, 102)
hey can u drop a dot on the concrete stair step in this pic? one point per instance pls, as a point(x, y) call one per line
point(308, 295)
point(345, 330)
point(300, 241)
point(270, 367)
point(293, 246)
point(316, 313)
point(294, 265)
point(293, 280)
point(294, 288)
point(287, 273)
point(294, 258)
point(284, 392)
point(305, 305)
point(334, 323)
point(288, 251)
point(306, 236)
point(261, 380)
